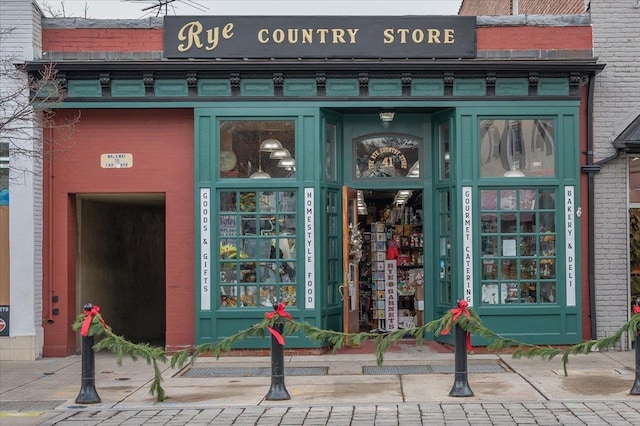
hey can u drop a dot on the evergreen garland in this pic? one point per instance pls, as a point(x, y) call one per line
point(382, 341)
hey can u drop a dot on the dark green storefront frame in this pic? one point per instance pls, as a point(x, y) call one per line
point(554, 324)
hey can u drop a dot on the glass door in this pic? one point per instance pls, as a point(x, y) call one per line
point(445, 294)
point(350, 287)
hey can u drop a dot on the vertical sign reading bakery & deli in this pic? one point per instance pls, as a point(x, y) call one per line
point(429, 37)
point(309, 254)
point(570, 249)
point(205, 249)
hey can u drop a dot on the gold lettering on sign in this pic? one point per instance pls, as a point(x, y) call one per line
point(308, 35)
point(191, 35)
point(391, 156)
point(418, 36)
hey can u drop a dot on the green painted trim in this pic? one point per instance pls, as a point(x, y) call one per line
point(214, 87)
point(512, 87)
point(553, 87)
point(127, 88)
point(463, 115)
point(427, 87)
point(263, 87)
point(385, 87)
point(299, 87)
point(293, 105)
point(84, 89)
point(342, 87)
point(470, 87)
point(174, 87)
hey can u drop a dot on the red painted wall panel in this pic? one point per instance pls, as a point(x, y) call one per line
point(535, 38)
point(161, 142)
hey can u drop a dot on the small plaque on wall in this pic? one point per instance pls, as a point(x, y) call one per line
point(116, 161)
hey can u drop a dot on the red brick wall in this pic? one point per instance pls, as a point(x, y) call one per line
point(161, 142)
point(525, 7)
point(101, 40)
point(141, 40)
point(535, 38)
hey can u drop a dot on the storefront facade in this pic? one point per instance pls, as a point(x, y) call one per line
point(174, 208)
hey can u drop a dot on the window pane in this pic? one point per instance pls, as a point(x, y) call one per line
point(523, 147)
point(634, 179)
point(257, 149)
point(4, 165)
point(332, 141)
point(518, 255)
point(444, 151)
point(257, 239)
point(387, 155)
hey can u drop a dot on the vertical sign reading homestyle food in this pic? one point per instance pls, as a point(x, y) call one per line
point(309, 254)
point(467, 244)
point(205, 249)
point(570, 249)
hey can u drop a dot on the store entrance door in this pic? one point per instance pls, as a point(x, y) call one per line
point(388, 230)
point(350, 285)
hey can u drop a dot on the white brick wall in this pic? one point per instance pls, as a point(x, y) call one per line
point(21, 41)
point(616, 103)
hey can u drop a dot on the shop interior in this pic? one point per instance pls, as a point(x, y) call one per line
point(390, 223)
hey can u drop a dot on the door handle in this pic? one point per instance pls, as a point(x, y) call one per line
point(341, 291)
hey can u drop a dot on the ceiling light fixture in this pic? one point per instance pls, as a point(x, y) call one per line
point(387, 116)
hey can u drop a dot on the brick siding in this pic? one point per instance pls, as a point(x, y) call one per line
point(617, 102)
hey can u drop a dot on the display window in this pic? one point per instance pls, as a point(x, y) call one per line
point(518, 246)
point(257, 257)
point(257, 149)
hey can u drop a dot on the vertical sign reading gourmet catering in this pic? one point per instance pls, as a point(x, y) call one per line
point(570, 237)
point(309, 254)
point(320, 37)
point(467, 244)
point(205, 249)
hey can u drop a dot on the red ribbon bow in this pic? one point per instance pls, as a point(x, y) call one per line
point(89, 314)
point(461, 309)
point(281, 313)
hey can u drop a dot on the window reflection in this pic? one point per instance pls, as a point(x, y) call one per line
point(517, 147)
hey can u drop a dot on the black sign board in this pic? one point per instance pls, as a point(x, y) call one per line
point(4, 320)
point(206, 37)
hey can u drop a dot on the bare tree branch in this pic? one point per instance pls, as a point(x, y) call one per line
point(27, 113)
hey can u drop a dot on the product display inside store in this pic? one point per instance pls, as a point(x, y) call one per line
point(392, 264)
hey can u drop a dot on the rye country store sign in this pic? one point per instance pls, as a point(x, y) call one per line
point(207, 37)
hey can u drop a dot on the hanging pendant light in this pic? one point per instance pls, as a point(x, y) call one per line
point(514, 172)
point(280, 154)
point(260, 174)
point(287, 162)
point(270, 145)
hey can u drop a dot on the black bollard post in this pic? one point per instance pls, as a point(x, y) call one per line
point(461, 384)
point(88, 393)
point(278, 391)
point(635, 390)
